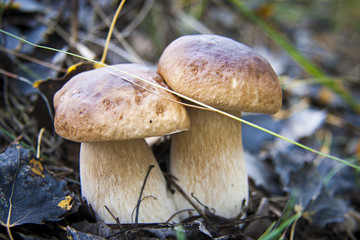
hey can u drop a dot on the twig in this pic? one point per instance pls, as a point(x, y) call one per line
point(132, 213)
point(178, 212)
point(74, 23)
point(207, 209)
point(242, 221)
point(22, 79)
point(32, 59)
point(178, 188)
point(138, 18)
point(113, 216)
point(39, 142)
point(141, 193)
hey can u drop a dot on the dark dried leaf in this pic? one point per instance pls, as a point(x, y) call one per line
point(307, 182)
point(290, 161)
point(299, 173)
point(28, 193)
point(326, 209)
point(75, 235)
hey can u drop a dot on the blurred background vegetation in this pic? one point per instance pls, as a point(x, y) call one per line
point(313, 45)
point(326, 32)
point(307, 42)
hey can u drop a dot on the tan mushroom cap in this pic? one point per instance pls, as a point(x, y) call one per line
point(99, 105)
point(221, 72)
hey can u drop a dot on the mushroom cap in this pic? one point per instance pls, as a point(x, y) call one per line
point(222, 73)
point(99, 105)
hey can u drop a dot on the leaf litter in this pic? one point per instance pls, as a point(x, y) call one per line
point(28, 192)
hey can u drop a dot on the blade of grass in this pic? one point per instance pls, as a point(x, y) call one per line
point(286, 219)
point(337, 169)
point(193, 101)
point(14, 138)
point(22, 79)
point(303, 62)
point(269, 230)
point(274, 234)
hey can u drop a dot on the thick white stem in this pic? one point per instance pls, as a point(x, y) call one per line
point(208, 162)
point(112, 174)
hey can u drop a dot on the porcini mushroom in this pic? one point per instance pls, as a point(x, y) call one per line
point(208, 159)
point(111, 113)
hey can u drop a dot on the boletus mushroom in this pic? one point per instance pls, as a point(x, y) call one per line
point(208, 159)
point(110, 113)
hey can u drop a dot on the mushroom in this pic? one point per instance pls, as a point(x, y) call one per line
point(111, 113)
point(208, 159)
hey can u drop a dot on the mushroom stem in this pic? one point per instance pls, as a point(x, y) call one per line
point(208, 161)
point(112, 174)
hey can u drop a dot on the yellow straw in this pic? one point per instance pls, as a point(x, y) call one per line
point(118, 10)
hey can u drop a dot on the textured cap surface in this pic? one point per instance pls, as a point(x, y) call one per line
point(99, 105)
point(221, 72)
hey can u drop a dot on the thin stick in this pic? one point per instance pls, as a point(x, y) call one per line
point(39, 142)
point(27, 81)
point(178, 188)
point(178, 212)
point(141, 193)
point(74, 23)
point(32, 59)
point(118, 10)
point(113, 216)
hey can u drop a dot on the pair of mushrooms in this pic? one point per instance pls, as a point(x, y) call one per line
point(111, 112)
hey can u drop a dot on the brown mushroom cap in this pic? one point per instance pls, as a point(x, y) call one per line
point(99, 105)
point(221, 72)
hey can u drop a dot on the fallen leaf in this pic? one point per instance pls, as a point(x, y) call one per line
point(290, 161)
point(298, 172)
point(326, 209)
point(28, 193)
point(73, 234)
point(308, 182)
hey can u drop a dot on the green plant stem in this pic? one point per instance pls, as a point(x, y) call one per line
point(277, 232)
